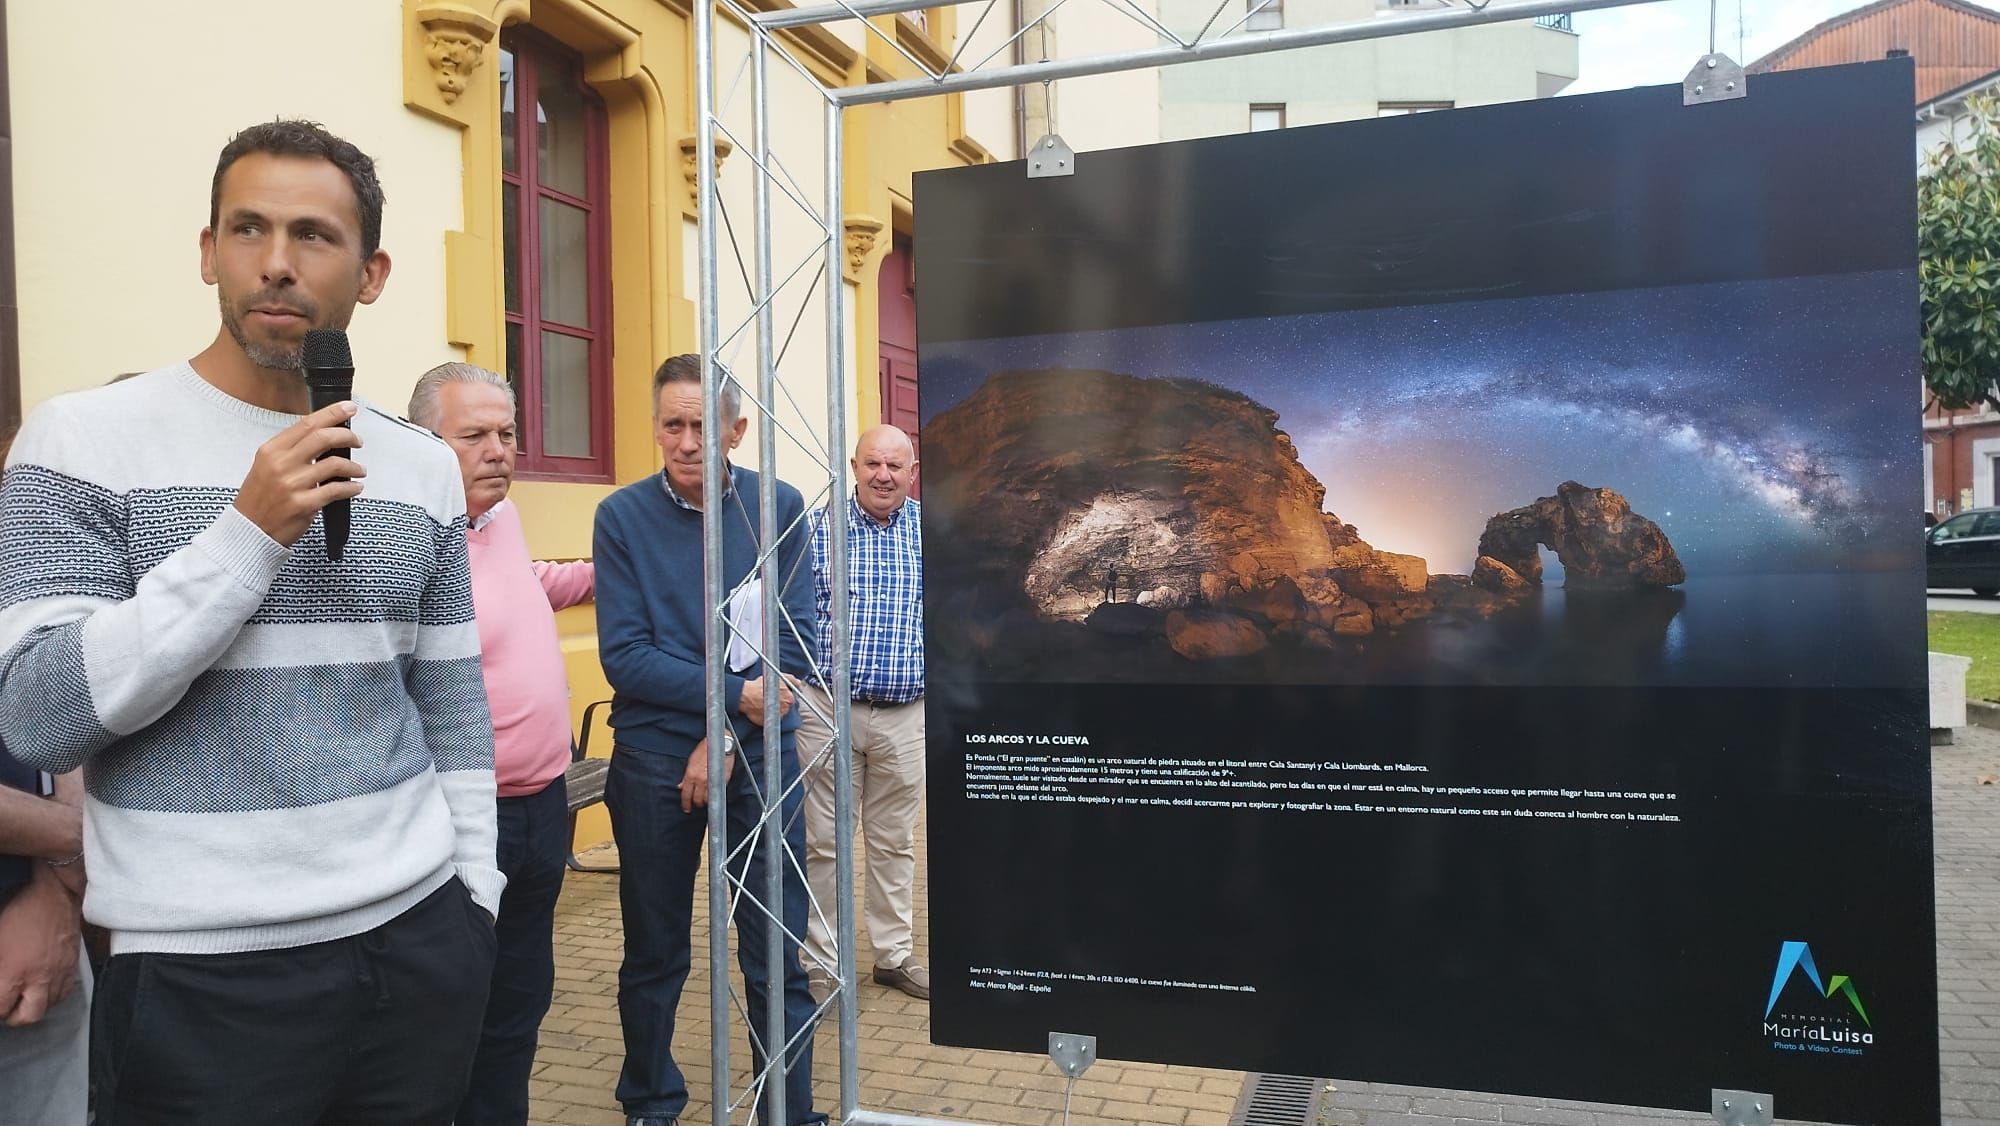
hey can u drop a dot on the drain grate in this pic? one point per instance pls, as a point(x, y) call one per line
point(1277, 1100)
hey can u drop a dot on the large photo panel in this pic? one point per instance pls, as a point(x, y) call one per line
point(1438, 600)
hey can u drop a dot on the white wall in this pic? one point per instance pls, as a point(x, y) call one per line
point(798, 153)
point(1106, 111)
point(1933, 132)
point(990, 115)
point(1100, 112)
point(1342, 82)
point(112, 162)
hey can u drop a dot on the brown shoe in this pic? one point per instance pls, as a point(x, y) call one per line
point(909, 977)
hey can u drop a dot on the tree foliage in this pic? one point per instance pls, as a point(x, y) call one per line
point(1958, 261)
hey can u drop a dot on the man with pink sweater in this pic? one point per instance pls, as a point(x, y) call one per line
point(514, 600)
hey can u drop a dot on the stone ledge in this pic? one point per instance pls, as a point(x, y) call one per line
point(1983, 713)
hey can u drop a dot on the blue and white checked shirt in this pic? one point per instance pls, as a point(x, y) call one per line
point(885, 570)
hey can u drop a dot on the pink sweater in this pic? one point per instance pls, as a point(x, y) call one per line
point(515, 599)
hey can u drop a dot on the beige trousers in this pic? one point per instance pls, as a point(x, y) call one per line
point(888, 776)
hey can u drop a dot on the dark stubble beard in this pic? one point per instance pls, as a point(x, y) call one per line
point(275, 356)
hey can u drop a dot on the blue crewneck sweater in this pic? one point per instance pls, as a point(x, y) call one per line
point(650, 609)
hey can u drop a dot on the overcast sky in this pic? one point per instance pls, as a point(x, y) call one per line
point(1652, 44)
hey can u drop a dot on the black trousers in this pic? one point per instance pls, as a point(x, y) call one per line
point(534, 842)
point(376, 1028)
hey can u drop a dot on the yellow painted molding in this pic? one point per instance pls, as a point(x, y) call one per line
point(444, 44)
point(941, 24)
point(860, 234)
point(919, 43)
point(970, 151)
point(692, 171)
point(822, 52)
point(455, 38)
point(471, 314)
point(866, 301)
point(589, 27)
point(958, 141)
point(663, 223)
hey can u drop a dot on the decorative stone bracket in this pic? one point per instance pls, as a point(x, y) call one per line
point(455, 39)
point(860, 233)
point(692, 171)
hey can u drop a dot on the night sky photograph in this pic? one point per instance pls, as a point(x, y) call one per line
point(1762, 425)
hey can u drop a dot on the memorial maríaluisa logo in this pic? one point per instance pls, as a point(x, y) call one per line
point(1825, 1024)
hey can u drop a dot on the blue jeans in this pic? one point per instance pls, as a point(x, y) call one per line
point(533, 843)
point(659, 851)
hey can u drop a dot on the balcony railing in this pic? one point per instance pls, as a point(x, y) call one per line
point(1560, 23)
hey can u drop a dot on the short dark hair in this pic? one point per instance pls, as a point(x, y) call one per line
point(285, 137)
point(686, 368)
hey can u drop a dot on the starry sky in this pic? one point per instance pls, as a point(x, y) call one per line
point(1765, 426)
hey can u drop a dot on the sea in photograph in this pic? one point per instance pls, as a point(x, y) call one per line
point(1777, 630)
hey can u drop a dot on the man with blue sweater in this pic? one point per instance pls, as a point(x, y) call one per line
point(651, 610)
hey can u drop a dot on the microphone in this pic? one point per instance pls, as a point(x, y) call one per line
point(329, 372)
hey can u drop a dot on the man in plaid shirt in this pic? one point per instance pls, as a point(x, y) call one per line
point(885, 550)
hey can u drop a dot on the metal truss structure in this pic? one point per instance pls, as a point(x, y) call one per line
point(765, 396)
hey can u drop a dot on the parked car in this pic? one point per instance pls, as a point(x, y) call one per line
point(1964, 552)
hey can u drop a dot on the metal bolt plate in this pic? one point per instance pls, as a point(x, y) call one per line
point(1050, 156)
point(1073, 1052)
point(1715, 78)
point(1741, 1108)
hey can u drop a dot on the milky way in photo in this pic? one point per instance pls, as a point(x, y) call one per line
point(1765, 425)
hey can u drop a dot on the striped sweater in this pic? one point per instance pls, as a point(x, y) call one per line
point(277, 749)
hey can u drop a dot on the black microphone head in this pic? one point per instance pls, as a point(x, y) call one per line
point(326, 348)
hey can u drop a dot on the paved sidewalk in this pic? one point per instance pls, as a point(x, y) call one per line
point(902, 1072)
point(576, 1069)
point(1960, 601)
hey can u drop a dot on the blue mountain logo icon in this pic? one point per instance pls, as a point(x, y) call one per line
point(1796, 957)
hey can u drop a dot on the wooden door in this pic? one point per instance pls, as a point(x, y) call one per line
point(898, 330)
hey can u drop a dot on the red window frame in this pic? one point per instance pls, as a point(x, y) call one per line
point(532, 53)
point(896, 291)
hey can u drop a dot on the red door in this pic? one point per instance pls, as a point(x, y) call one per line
point(898, 327)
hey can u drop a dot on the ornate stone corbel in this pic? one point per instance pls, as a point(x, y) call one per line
point(455, 40)
point(692, 171)
point(860, 233)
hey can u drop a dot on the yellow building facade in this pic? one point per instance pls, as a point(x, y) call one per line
point(119, 109)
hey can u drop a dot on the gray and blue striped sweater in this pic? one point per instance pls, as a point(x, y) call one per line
point(277, 749)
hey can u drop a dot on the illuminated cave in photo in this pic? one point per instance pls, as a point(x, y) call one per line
point(1144, 537)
